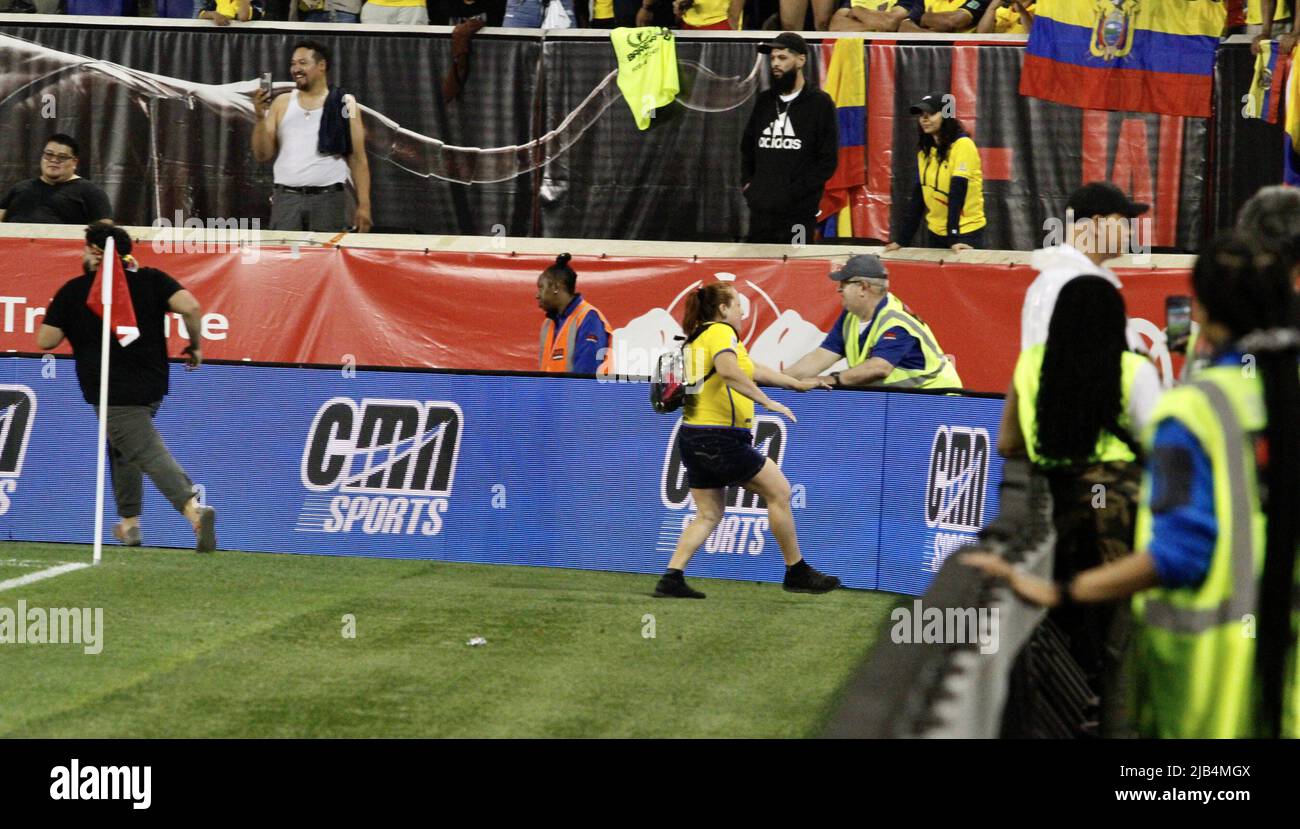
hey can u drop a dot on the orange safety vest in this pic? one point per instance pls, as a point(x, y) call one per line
point(555, 352)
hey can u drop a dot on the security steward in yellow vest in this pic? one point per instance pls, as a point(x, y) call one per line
point(884, 343)
point(575, 336)
point(1198, 577)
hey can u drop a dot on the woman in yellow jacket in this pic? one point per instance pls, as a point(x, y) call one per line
point(716, 440)
point(949, 188)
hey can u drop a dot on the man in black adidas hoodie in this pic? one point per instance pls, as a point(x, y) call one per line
point(790, 149)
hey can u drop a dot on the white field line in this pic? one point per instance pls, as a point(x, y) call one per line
point(29, 562)
point(41, 575)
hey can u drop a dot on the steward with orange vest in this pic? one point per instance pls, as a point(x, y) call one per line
point(575, 336)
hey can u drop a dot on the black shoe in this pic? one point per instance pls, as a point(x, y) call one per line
point(675, 589)
point(809, 580)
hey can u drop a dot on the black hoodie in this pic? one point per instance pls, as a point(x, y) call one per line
point(787, 173)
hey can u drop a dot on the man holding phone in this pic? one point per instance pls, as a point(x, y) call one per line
point(318, 143)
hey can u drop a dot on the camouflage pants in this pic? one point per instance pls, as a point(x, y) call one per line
point(1094, 512)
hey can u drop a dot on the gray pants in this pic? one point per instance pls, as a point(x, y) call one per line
point(135, 449)
point(318, 212)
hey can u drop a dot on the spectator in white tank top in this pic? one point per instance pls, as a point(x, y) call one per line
point(310, 186)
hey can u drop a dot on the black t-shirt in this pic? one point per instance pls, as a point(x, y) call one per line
point(137, 373)
point(76, 202)
point(453, 12)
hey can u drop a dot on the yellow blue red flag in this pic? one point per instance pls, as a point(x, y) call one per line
point(846, 83)
point(1126, 55)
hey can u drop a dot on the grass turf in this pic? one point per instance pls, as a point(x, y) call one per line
point(252, 645)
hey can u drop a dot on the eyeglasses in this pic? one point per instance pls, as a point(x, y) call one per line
point(57, 158)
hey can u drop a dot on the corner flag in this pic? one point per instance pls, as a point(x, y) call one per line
point(111, 290)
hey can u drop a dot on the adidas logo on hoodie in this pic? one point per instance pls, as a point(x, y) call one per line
point(779, 135)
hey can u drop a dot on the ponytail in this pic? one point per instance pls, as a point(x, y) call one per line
point(1250, 293)
point(703, 305)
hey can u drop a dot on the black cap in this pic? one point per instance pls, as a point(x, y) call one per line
point(862, 266)
point(785, 40)
point(930, 104)
point(1101, 198)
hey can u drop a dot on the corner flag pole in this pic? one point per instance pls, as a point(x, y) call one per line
point(101, 449)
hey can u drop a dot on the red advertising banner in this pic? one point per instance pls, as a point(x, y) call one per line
point(350, 306)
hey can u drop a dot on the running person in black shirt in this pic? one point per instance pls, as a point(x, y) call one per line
point(137, 381)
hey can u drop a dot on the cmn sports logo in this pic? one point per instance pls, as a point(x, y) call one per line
point(955, 488)
point(380, 466)
point(17, 413)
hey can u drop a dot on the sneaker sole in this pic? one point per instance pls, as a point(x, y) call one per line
point(814, 590)
point(207, 536)
point(659, 595)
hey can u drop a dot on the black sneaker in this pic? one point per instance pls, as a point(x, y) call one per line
point(809, 580)
point(675, 589)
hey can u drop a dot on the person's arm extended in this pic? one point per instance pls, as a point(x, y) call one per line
point(187, 305)
point(989, 22)
point(867, 372)
point(813, 363)
point(958, 21)
point(768, 376)
point(728, 368)
point(359, 165)
point(268, 120)
point(245, 12)
point(1118, 579)
point(733, 13)
point(1011, 440)
point(47, 337)
point(1267, 8)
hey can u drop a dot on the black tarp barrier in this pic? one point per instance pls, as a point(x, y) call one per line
point(557, 152)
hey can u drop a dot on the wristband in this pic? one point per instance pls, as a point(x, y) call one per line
point(1063, 587)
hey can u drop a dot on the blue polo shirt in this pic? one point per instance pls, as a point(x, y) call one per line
point(896, 347)
point(1183, 524)
point(591, 338)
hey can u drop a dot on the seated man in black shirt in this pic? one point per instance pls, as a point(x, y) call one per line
point(58, 196)
point(137, 380)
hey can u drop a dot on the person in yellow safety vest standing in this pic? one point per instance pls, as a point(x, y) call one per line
point(883, 341)
point(575, 335)
point(1214, 586)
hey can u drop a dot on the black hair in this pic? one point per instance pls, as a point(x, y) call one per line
point(1270, 221)
point(1249, 292)
point(320, 52)
point(703, 305)
point(67, 141)
point(949, 131)
point(1080, 391)
point(98, 233)
point(561, 274)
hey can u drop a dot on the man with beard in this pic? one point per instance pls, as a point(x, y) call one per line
point(137, 380)
point(790, 149)
point(318, 142)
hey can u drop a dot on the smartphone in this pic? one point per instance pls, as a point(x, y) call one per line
point(1178, 321)
point(266, 82)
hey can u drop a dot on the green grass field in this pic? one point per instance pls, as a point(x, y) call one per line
point(252, 645)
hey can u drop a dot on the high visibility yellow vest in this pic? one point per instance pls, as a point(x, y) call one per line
point(938, 371)
point(1194, 647)
point(1029, 370)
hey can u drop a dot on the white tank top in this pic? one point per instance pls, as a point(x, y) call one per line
point(298, 164)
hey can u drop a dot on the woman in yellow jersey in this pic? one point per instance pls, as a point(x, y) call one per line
point(949, 188)
point(1214, 572)
point(1007, 17)
point(716, 442)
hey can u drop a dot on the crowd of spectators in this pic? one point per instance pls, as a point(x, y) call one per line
point(956, 16)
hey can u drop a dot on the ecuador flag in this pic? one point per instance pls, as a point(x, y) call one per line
point(846, 83)
point(1126, 55)
point(1291, 137)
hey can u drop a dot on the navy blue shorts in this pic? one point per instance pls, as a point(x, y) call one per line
point(718, 457)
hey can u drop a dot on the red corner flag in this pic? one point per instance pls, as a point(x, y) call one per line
point(114, 293)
